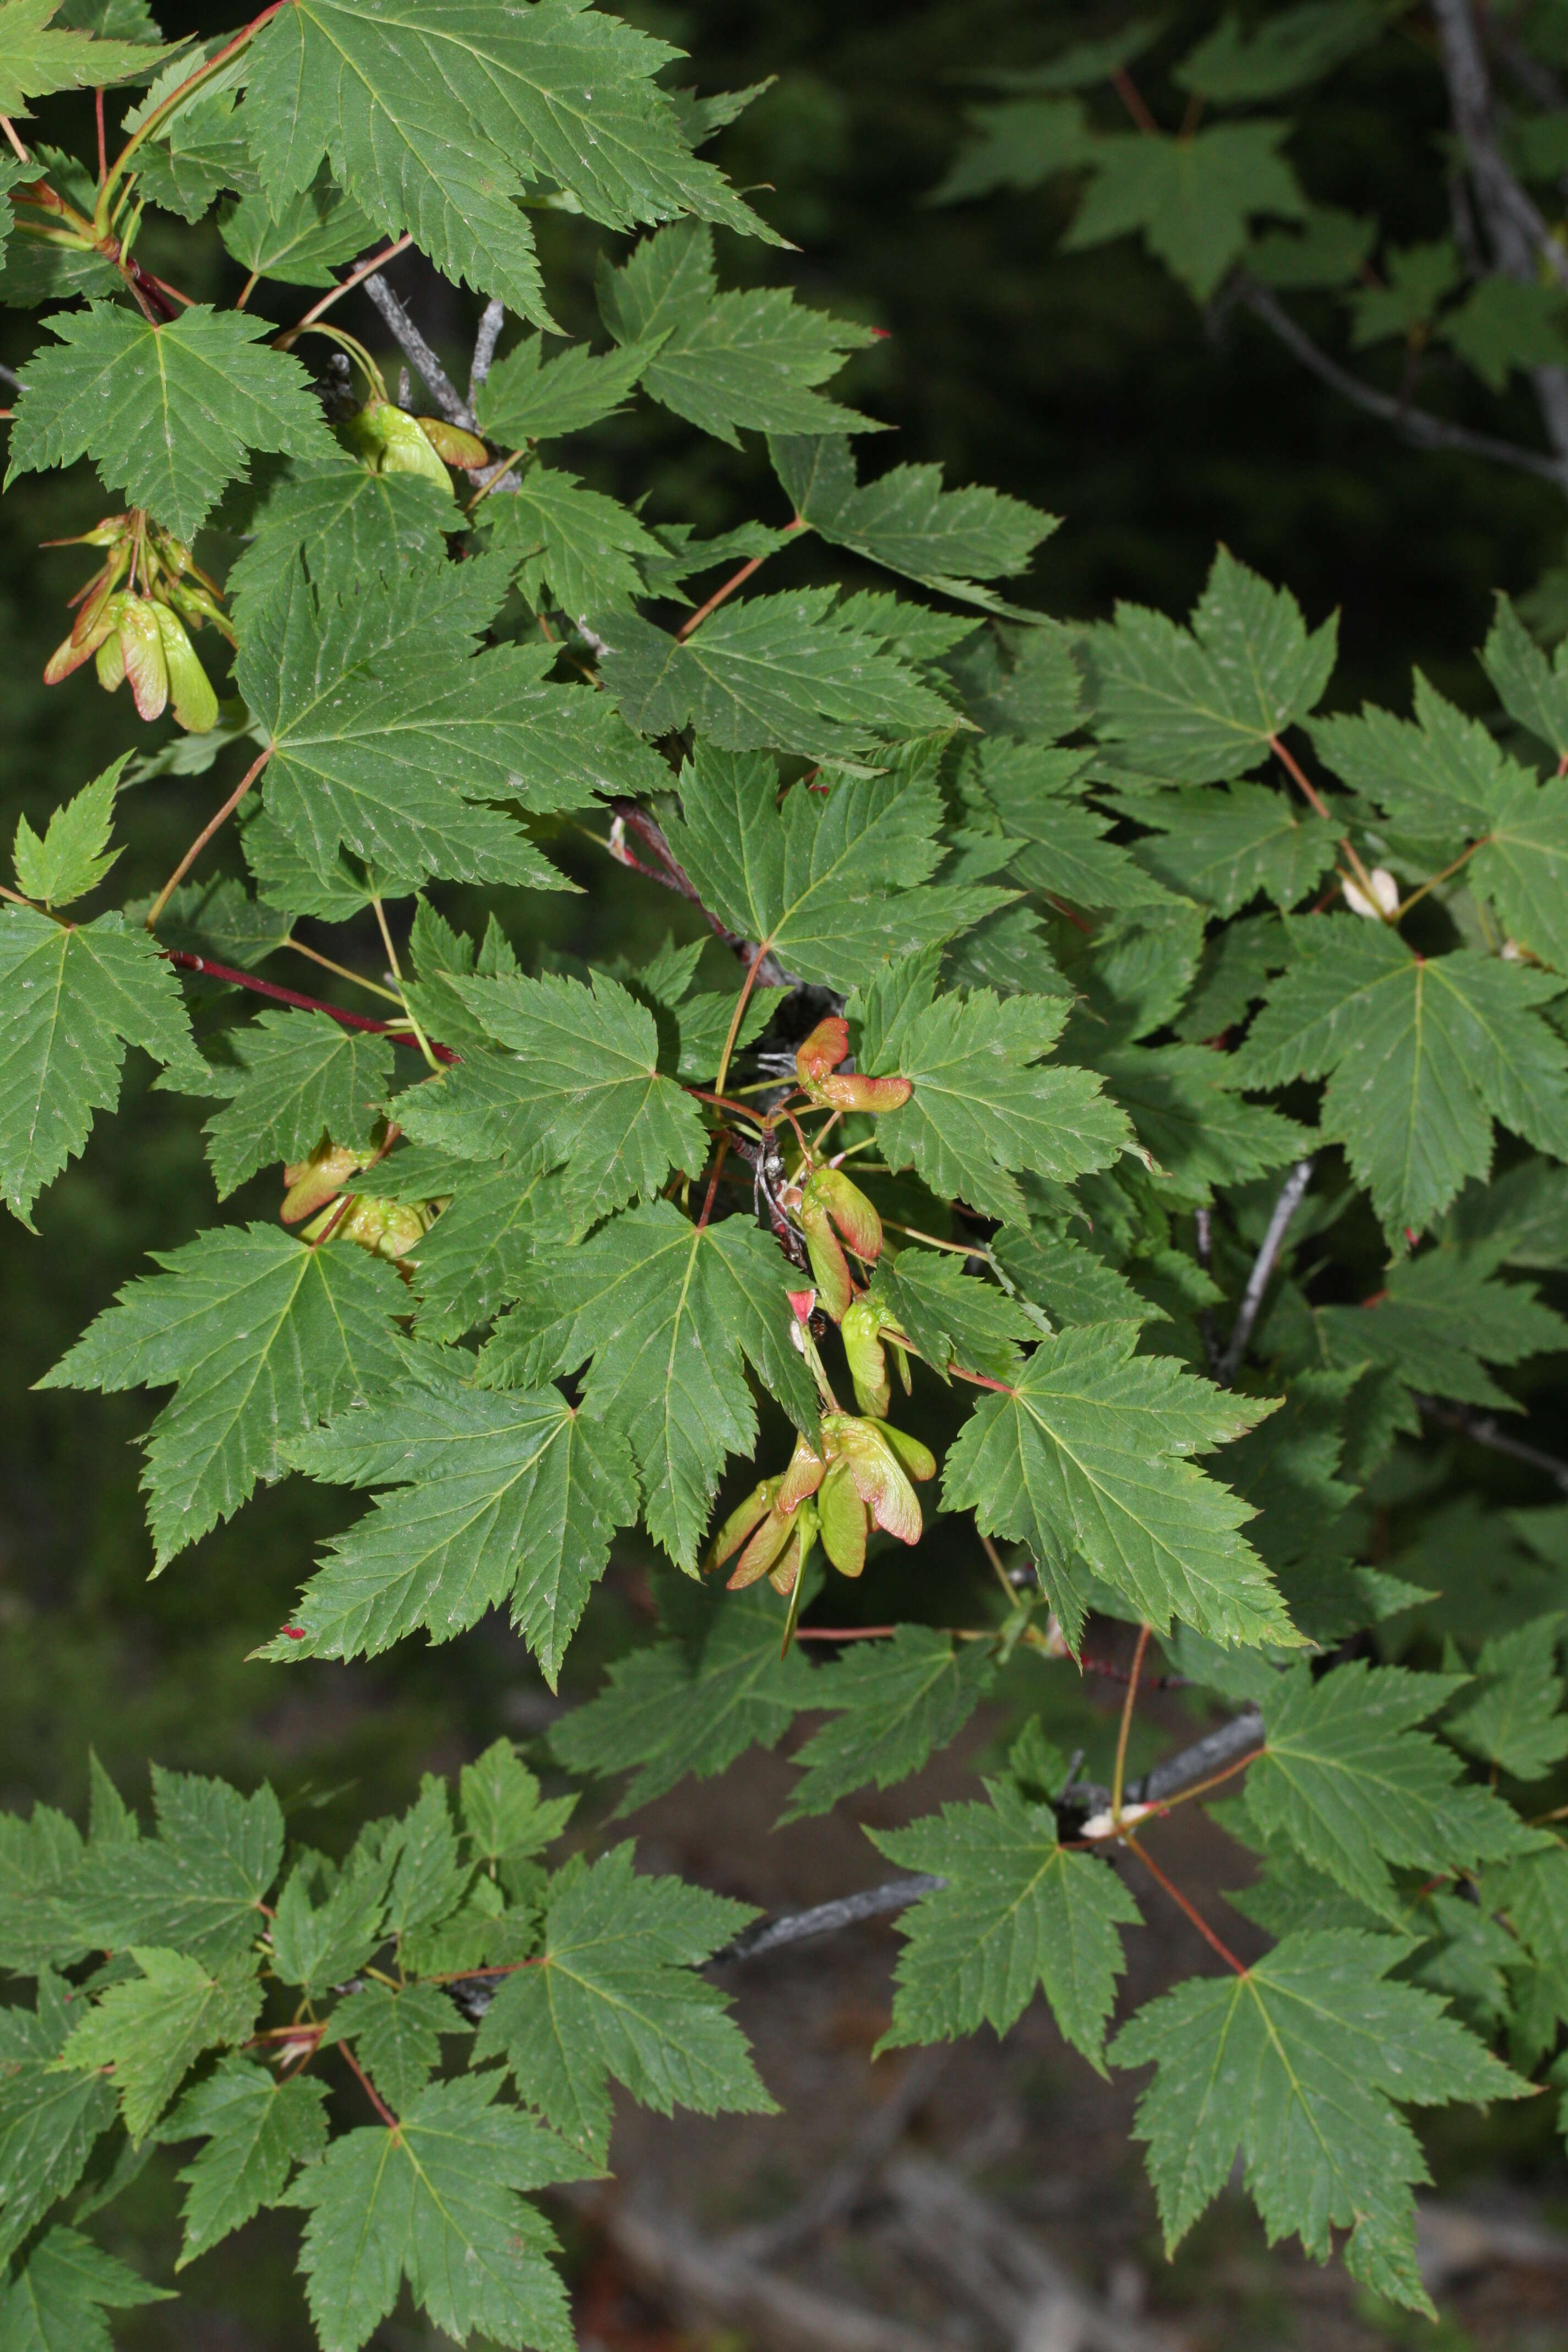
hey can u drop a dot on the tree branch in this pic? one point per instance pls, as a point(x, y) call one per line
point(269, 988)
point(1426, 431)
point(1482, 1429)
point(419, 355)
point(485, 342)
point(1292, 1193)
point(828, 1918)
point(770, 972)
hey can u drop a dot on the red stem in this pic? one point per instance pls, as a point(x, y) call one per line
point(305, 1003)
point(1293, 769)
point(102, 150)
point(372, 2094)
point(1177, 1897)
point(1131, 97)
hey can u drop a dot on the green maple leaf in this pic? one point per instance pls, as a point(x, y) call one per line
point(1187, 1114)
point(1421, 1054)
point(56, 2300)
point(477, 1255)
point(980, 1107)
point(526, 397)
point(789, 671)
point(261, 1335)
point(1225, 847)
point(36, 59)
point(166, 414)
point(1503, 324)
point(504, 1813)
point(70, 859)
point(1283, 53)
point(316, 1946)
point(300, 1077)
point(613, 1996)
point(897, 1701)
point(669, 1312)
point(952, 1317)
point(353, 522)
point(1513, 1722)
point(1522, 867)
point(1087, 1461)
point(1017, 145)
point(311, 235)
point(1049, 839)
point(198, 1885)
point(666, 1711)
point(1018, 1912)
point(1439, 1317)
point(1068, 1279)
point(726, 360)
point(580, 544)
point(388, 733)
point(1295, 2064)
point(497, 1497)
point(1436, 776)
point(257, 2130)
point(947, 539)
point(74, 997)
point(1196, 706)
point(1193, 198)
point(434, 121)
point(49, 2121)
point(1347, 1779)
point(150, 2029)
point(397, 2034)
point(579, 1082)
point(1532, 690)
point(830, 884)
point(436, 2202)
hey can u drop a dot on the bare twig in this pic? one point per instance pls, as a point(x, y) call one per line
point(485, 342)
point(1482, 1429)
point(205, 835)
point(828, 1918)
point(10, 379)
point(269, 988)
point(1292, 1193)
point(1426, 431)
point(419, 355)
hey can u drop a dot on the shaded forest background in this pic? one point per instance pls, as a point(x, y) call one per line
point(1088, 384)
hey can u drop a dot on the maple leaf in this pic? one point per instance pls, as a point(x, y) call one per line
point(1198, 706)
point(197, 1885)
point(257, 2129)
point(300, 1077)
point(36, 59)
point(1185, 1106)
point(75, 995)
point(1514, 1721)
point(579, 1082)
point(149, 2030)
point(476, 1256)
point(1046, 837)
point(611, 1995)
point(309, 235)
point(353, 522)
point(1438, 1318)
point(726, 360)
point(1349, 1782)
point(978, 1108)
point(897, 1701)
point(504, 1813)
point(261, 1334)
point(70, 859)
point(56, 2302)
point(1228, 846)
point(1421, 1054)
point(398, 2034)
point(580, 544)
point(830, 884)
point(1018, 1912)
point(668, 1312)
point(526, 397)
point(949, 1316)
point(166, 414)
point(1532, 688)
point(1294, 2064)
point(436, 2201)
point(1194, 198)
point(49, 2121)
point(1085, 1459)
point(497, 1497)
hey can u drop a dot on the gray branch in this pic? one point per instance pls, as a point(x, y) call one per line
point(485, 343)
point(828, 1918)
point(419, 355)
point(1292, 1193)
point(11, 380)
point(1483, 1429)
point(1426, 431)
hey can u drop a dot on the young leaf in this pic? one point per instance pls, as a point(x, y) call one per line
point(1086, 1460)
point(498, 1496)
point(1349, 1782)
point(947, 539)
point(526, 397)
point(614, 1996)
point(311, 235)
point(503, 1813)
point(1018, 1912)
point(580, 544)
point(979, 1108)
point(669, 1311)
point(664, 1713)
point(788, 671)
point(1295, 2065)
point(579, 1082)
point(74, 997)
point(436, 2202)
point(830, 884)
point(150, 2029)
point(261, 1334)
point(897, 1701)
point(726, 360)
point(166, 414)
point(1198, 708)
point(952, 1317)
point(56, 2300)
point(1421, 1054)
point(397, 2035)
point(1514, 1721)
point(69, 861)
point(257, 2130)
point(197, 1885)
point(318, 1945)
point(301, 1075)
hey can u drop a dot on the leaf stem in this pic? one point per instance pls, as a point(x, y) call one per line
point(722, 595)
point(9, 127)
point(995, 1556)
point(201, 839)
point(1416, 895)
point(335, 294)
point(1180, 1900)
point(423, 1042)
point(736, 1018)
point(342, 970)
point(186, 961)
point(1118, 1777)
point(372, 2094)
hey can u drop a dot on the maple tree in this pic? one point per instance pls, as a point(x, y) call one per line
point(1103, 1096)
